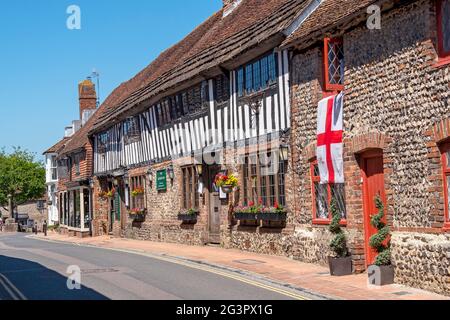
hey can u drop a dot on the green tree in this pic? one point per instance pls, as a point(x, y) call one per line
point(21, 177)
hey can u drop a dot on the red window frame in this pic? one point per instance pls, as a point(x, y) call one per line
point(441, 51)
point(334, 88)
point(314, 179)
point(446, 173)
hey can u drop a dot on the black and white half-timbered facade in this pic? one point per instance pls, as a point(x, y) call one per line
point(233, 108)
point(158, 149)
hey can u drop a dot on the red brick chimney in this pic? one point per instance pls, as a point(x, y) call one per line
point(229, 6)
point(87, 96)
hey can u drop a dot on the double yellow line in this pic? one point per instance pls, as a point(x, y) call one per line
point(12, 290)
point(229, 275)
point(192, 265)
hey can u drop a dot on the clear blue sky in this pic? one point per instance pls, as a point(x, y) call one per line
point(41, 61)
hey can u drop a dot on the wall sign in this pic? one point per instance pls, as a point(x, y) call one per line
point(161, 180)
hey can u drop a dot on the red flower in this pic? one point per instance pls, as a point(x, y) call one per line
point(251, 204)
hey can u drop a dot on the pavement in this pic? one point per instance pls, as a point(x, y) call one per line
point(313, 281)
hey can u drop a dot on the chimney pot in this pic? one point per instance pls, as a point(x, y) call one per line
point(87, 96)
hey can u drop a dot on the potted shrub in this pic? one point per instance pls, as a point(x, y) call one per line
point(341, 263)
point(380, 242)
point(189, 216)
point(138, 214)
point(275, 213)
point(226, 182)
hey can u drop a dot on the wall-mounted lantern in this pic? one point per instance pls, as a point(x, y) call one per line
point(199, 168)
point(150, 175)
point(171, 172)
point(284, 152)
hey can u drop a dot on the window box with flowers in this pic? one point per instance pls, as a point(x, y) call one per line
point(226, 182)
point(189, 216)
point(260, 213)
point(138, 214)
point(276, 213)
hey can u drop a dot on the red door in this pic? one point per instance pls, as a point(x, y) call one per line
point(373, 178)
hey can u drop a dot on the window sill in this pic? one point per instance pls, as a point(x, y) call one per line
point(325, 222)
point(442, 62)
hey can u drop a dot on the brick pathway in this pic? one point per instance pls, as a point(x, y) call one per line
point(279, 269)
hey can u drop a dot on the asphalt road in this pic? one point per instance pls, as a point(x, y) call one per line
point(38, 270)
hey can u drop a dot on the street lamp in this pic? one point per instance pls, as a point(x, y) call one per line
point(284, 152)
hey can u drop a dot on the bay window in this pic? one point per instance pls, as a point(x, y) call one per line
point(263, 178)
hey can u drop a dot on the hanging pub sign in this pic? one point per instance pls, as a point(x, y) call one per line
point(161, 180)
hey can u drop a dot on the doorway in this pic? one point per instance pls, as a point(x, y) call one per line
point(373, 186)
point(214, 206)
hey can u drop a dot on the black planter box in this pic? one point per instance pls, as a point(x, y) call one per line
point(187, 218)
point(381, 275)
point(340, 266)
point(139, 217)
point(245, 216)
point(272, 216)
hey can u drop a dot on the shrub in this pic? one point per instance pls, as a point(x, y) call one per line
point(339, 243)
point(378, 240)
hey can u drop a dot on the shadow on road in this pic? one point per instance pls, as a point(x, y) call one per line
point(21, 279)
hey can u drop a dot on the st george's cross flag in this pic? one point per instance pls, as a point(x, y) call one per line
point(329, 139)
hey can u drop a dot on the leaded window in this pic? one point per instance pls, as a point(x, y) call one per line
point(323, 194)
point(263, 178)
point(334, 64)
point(443, 15)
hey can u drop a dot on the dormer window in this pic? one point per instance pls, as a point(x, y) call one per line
point(334, 64)
point(102, 142)
point(257, 75)
point(131, 130)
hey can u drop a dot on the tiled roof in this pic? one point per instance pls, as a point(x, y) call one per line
point(58, 146)
point(328, 15)
point(214, 42)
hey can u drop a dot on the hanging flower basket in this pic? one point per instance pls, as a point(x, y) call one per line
point(227, 189)
point(226, 182)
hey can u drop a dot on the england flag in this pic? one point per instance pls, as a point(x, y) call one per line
point(329, 139)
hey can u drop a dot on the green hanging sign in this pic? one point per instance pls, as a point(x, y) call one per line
point(161, 180)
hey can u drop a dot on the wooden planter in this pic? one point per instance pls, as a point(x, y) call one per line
point(340, 266)
point(188, 218)
point(278, 217)
point(384, 275)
